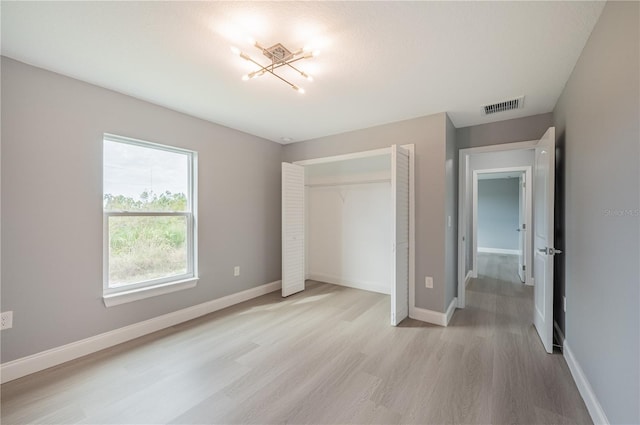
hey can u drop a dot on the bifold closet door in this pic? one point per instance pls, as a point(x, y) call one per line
point(400, 234)
point(292, 229)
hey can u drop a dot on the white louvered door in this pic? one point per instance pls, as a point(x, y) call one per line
point(292, 229)
point(400, 234)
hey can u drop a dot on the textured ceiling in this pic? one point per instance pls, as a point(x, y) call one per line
point(380, 61)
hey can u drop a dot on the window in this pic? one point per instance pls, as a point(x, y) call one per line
point(149, 219)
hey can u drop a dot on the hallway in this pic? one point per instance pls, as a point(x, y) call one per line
point(528, 385)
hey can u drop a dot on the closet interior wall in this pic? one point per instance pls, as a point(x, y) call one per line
point(348, 223)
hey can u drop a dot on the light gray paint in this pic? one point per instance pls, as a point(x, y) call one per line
point(487, 161)
point(508, 131)
point(451, 210)
point(597, 122)
point(52, 130)
point(498, 213)
point(429, 136)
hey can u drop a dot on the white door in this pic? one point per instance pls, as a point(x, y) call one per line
point(543, 202)
point(522, 228)
point(292, 229)
point(400, 234)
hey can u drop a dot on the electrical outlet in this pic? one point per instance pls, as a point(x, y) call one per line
point(564, 304)
point(428, 282)
point(7, 320)
point(236, 271)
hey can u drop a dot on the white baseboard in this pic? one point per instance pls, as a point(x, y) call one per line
point(584, 387)
point(499, 251)
point(27, 365)
point(559, 332)
point(451, 309)
point(468, 278)
point(356, 284)
point(434, 317)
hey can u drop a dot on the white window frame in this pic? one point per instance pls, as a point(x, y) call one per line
point(114, 295)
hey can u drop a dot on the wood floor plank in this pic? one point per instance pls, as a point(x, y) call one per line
point(326, 355)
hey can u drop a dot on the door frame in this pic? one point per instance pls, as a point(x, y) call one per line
point(464, 157)
point(412, 203)
point(528, 254)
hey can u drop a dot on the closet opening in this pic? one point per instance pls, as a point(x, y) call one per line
point(348, 220)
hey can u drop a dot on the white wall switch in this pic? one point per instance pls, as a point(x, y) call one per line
point(449, 221)
point(236, 271)
point(428, 282)
point(7, 320)
point(564, 304)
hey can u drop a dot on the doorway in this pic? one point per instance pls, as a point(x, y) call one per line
point(540, 156)
point(501, 216)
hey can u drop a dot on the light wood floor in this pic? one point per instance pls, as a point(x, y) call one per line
point(327, 355)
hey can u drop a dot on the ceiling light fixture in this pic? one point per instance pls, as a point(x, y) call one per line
point(279, 56)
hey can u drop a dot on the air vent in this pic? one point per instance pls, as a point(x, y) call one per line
point(507, 105)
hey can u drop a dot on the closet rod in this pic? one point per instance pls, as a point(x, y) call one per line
point(348, 183)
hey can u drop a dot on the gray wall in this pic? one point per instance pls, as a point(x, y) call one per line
point(52, 130)
point(429, 136)
point(498, 213)
point(598, 127)
point(508, 131)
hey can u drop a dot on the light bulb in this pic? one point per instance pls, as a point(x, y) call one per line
point(245, 78)
point(251, 41)
point(235, 50)
point(315, 53)
point(298, 89)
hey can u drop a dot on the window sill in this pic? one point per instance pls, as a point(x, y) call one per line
point(148, 292)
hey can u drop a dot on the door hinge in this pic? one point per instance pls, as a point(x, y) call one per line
point(524, 226)
point(524, 267)
point(550, 251)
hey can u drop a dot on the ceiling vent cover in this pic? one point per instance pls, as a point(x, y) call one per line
point(507, 105)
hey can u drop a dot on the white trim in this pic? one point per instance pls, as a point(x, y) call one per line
point(463, 213)
point(124, 297)
point(528, 260)
point(27, 365)
point(412, 224)
point(434, 317)
point(190, 215)
point(451, 309)
point(356, 284)
point(463, 166)
point(529, 144)
point(584, 387)
point(429, 316)
point(559, 333)
point(345, 157)
point(468, 277)
point(499, 251)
